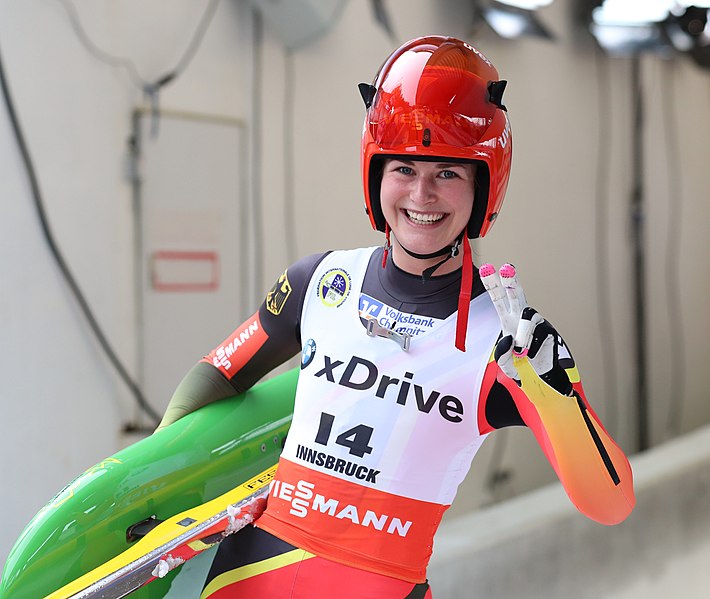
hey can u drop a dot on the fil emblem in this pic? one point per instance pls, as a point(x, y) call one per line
point(334, 287)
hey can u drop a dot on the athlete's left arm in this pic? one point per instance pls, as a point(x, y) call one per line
point(533, 364)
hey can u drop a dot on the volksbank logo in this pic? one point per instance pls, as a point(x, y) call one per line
point(390, 318)
point(362, 375)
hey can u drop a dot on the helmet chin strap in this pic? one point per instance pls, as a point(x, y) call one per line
point(450, 251)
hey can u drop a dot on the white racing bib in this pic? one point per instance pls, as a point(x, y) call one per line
point(381, 438)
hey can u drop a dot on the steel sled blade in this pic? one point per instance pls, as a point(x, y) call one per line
point(173, 542)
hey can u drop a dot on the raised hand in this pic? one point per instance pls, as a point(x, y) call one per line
point(525, 333)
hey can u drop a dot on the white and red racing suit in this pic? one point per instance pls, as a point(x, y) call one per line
point(382, 437)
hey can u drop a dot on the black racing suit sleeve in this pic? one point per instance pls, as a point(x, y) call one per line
point(283, 330)
point(500, 409)
point(264, 341)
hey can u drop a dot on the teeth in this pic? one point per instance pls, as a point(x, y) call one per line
point(424, 219)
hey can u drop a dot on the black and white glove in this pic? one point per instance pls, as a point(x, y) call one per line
point(525, 333)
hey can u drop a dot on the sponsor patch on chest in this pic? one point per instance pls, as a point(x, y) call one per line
point(361, 374)
point(305, 499)
point(391, 318)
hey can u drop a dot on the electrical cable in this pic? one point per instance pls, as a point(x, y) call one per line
point(672, 266)
point(147, 87)
point(127, 64)
point(195, 42)
point(57, 255)
point(382, 18)
point(114, 61)
point(603, 283)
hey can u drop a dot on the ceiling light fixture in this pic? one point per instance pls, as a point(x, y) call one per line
point(513, 19)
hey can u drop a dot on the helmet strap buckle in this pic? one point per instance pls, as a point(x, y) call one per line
point(452, 253)
point(455, 248)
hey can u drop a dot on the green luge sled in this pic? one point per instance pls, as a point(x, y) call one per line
point(196, 459)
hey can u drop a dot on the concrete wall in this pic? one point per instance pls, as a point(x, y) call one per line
point(566, 212)
point(64, 408)
point(538, 546)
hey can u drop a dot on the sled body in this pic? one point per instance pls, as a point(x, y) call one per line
point(191, 462)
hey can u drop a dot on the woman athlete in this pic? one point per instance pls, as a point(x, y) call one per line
point(410, 358)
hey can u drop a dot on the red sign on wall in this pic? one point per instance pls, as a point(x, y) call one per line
point(181, 271)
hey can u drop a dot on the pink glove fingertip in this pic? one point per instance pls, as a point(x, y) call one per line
point(507, 271)
point(486, 270)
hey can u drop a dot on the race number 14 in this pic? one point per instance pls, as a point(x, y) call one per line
point(356, 439)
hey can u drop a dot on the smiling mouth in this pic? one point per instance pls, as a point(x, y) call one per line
point(424, 218)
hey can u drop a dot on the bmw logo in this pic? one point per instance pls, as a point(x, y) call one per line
point(308, 353)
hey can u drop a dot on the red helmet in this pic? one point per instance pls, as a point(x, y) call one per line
point(438, 97)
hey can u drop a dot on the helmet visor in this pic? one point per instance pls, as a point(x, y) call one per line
point(432, 97)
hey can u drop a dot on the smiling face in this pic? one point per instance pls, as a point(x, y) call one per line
point(427, 205)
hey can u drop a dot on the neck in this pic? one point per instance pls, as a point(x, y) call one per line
point(416, 266)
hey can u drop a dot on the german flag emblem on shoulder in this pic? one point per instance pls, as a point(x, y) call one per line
point(276, 298)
